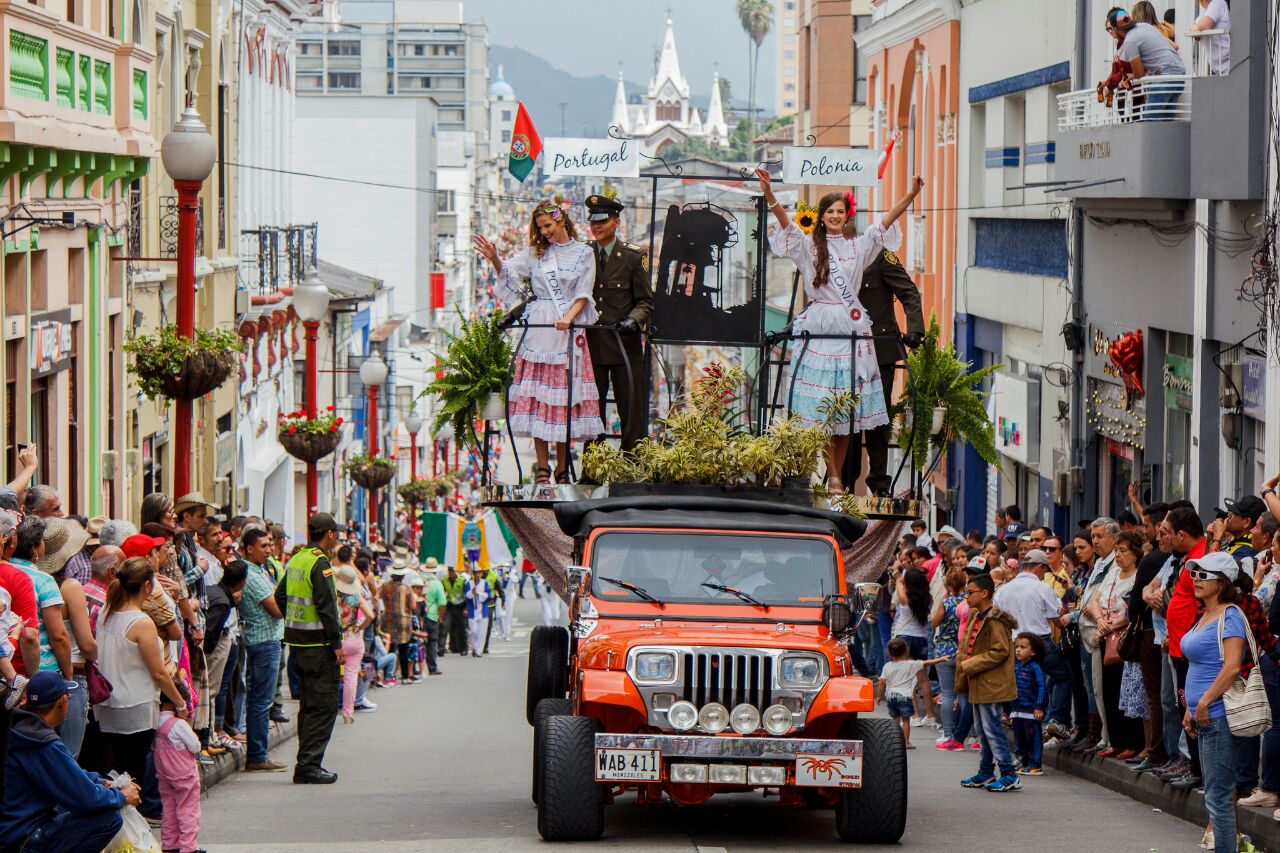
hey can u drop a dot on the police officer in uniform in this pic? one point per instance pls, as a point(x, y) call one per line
point(624, 298)
point(884, 280)
point(313, 633)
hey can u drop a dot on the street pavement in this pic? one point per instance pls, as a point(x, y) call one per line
point(445, 765)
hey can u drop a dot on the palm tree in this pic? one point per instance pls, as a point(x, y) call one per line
point(756, 17)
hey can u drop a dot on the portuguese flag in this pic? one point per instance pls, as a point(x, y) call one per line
point(526, 145)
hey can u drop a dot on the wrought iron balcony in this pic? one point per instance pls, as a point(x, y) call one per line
point(272, 259)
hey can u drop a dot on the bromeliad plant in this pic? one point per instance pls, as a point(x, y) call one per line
point(476, 365)
point(701, 444)
point(937, 378)
point(169, 366)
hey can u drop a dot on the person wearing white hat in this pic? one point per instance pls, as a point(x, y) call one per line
point(355, 614)
point(508, 576)
point(433, 601)
point(480, 595)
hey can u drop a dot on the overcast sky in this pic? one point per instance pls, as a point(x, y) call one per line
point(587, 37)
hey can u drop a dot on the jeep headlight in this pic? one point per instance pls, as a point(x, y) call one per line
point(800, 671)
point(654, 668)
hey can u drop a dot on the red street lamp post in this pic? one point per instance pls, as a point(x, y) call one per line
point(413, 423)
point(311, 301)
point(373, 372)
point(188, 152)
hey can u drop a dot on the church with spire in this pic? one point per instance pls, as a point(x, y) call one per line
point(665, 115)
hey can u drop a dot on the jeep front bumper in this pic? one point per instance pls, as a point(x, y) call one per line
point(734, 761)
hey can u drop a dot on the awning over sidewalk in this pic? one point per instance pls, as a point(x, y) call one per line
point(345, 284)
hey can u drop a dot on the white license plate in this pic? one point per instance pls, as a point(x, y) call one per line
point(628, 765)
point(829, 771)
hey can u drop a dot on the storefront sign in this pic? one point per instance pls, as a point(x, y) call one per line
point(1017, 417)
point(49, 343)
point(839, 166)
point(600, 158)
point(1254, 373)
point(1111, 413)
point(1179, 386)
point(1100, 364)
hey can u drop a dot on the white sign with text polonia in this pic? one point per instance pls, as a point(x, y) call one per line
point(601, 158)
point(847, 167)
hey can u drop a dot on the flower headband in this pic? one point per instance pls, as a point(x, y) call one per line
point(851, 204)
point(556, 207)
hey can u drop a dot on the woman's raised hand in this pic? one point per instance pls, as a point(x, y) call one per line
point(917, 184)
point(485, 248)
point(766, 183)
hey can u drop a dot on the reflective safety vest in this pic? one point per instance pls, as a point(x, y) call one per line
point(300, 605)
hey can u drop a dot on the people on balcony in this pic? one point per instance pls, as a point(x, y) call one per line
point(1215, 49)
point(1145, 13)
point(832, 267)
point(547, 381)
point(1151, 55)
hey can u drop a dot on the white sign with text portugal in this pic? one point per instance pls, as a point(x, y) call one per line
point(597, 158)
point(846, 167)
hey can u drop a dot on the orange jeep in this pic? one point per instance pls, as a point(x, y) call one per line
point(706, 654)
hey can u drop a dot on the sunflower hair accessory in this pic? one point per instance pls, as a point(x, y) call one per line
point(806, 216)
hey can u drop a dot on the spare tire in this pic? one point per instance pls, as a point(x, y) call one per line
point(548, 667)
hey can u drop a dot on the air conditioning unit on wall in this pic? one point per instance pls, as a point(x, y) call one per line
point(110, 464)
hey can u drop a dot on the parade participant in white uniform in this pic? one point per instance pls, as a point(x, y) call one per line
point(832, 268)
point(508, 575)
point(550, 602)
point(479, 608)
point(563, 274)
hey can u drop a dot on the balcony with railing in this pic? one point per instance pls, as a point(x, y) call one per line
point(1195, 135)
point(274, 260)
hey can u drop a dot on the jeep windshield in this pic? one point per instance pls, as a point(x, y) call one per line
point(672, 567)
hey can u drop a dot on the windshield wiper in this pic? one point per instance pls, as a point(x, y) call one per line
point(630, 587)
point(750, 599)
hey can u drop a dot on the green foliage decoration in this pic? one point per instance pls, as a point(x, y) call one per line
point(159, 359)
point(476, 364)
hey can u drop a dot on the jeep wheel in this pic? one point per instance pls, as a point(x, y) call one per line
point(571, 801)
point(876, 813)
point(548, 663)
point(546, 708)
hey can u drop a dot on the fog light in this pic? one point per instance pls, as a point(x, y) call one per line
point(766, 775)
point(729, 774)
point(663, 701)
point(688, 772)
point(682, 716)
point(745, 719)
point(793, 704)
point(777, 720)
point(713, 717)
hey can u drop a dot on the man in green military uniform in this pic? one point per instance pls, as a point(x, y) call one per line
point(624, 300)
point(313, 633)
point(883, 281)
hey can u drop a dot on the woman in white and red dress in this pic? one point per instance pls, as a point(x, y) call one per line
point(563, 273)
point(832, 267)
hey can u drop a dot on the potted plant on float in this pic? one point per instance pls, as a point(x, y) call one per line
point(309, 439)
point(943, 401)
point(476, 370)
point(370, 472)
point(172, 367)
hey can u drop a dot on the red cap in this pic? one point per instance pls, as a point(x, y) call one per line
point(140, 545)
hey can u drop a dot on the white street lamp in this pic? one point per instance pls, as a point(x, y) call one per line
point(373, 371)
point(311, 298)
point(413, 422)
point(188, 151)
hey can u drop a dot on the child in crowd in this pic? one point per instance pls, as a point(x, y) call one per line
point(11, 684)
point(176, 747)
point(1028, 708)
point(898, 682)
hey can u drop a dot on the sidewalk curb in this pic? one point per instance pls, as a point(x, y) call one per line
point(232, 761)
point(1147, 788)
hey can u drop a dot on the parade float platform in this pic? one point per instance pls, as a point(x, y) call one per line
point(528, 511)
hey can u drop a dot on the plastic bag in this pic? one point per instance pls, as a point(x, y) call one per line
point(135, 835)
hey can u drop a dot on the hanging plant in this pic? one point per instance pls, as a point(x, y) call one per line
point(370, 472)
point(476, 365)
point(420, 491)
point(938, 379)
point(309, 439)
point(172, 367)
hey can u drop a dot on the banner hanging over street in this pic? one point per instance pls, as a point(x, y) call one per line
point(844, 167)
point(596, 158)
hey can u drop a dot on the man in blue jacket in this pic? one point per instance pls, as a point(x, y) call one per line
point(50, 804)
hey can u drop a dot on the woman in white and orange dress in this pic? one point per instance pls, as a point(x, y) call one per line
point(832, 267)
point(563, 274)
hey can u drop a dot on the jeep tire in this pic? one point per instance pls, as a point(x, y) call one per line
point(571, 801)
point(548, 666)
point(876, 813)
point(546, 708)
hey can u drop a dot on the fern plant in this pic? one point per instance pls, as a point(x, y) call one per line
point(936, 376)
point(476, 364)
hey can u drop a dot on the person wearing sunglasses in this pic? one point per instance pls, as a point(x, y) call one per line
point(1209, 673)
point(984, 673)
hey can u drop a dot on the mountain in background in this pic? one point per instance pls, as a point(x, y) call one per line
point(588, 101)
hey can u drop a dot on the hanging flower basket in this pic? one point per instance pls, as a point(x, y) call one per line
point(170, 366)
point(309, 439)
point(420, 491)
point(370, 472)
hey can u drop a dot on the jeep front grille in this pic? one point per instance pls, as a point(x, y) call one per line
point(728, 678)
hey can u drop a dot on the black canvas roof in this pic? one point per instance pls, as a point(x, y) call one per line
point(579, 518)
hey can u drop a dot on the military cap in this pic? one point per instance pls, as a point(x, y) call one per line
point(601, 207)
